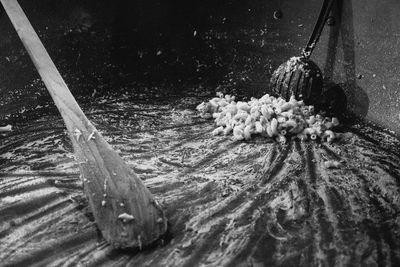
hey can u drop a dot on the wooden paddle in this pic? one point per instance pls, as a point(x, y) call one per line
point(124, 209)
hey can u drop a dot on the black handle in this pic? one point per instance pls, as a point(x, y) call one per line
point(319, 26)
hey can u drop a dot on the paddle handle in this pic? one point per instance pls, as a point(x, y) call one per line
point(319, 26)
point(55, 84)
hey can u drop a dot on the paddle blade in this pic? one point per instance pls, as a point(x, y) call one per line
point(124, 209)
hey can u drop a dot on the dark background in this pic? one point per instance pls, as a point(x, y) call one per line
point(168, 49)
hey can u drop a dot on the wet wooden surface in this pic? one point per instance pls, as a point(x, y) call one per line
point(254, 203)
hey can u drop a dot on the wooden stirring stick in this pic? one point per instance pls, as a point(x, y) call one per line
point(124, 209)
